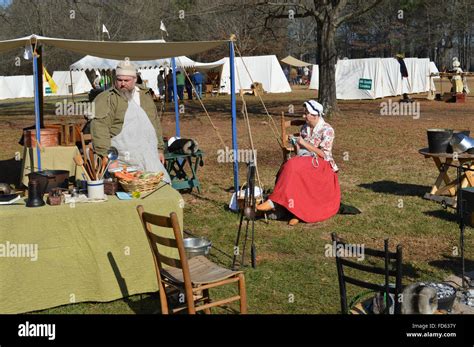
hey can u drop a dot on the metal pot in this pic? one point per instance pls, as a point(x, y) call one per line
point(438, 140)
point(461, 143)
point(50, 179)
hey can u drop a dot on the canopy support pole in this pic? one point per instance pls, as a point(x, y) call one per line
point(175, 97)
point(39, 66)
point(38, 118)
point(234, 115)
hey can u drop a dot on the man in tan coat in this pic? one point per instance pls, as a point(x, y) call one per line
point(126, 118)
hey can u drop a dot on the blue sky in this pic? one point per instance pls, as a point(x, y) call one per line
point(4, 3)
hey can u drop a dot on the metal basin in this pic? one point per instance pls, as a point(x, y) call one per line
point(461, 143)
point(196, 246)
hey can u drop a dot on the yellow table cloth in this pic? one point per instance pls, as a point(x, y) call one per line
point(92, 252)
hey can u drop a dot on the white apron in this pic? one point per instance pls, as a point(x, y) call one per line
point(137, 143)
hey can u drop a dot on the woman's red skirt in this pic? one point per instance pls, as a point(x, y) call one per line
point(307, 189)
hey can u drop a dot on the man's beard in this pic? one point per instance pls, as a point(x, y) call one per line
point(127, 94)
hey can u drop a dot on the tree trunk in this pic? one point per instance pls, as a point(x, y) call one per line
point(327, 59)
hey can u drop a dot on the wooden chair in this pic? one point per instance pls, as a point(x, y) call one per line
point(286, 146)
point(392, 268)
point(193, 277)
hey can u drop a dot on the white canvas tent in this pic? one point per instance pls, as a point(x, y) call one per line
point(80, 82)
point(5, 92)
point(264, 69)
point(384, 74)
point(16, 87)
point(314, 83)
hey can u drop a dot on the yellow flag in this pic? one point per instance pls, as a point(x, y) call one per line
point(53, 86)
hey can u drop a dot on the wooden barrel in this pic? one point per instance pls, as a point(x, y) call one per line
point(49, 137)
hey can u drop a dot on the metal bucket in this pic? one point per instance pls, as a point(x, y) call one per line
point(196, 246)
point(460, 143)
point(438, 140)
point(456, 132)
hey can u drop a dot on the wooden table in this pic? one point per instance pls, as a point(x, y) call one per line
point(444, 190)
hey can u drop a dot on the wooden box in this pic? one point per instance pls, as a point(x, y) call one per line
point(49, 137)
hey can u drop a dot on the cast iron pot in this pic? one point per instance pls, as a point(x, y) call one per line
point(49, 179)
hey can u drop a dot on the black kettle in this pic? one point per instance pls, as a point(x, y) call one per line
point(35, 194)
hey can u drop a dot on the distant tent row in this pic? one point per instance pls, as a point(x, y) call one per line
point(12, 87)
point(263, 69)
point(381, 74)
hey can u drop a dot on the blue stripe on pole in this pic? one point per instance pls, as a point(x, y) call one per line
point(37, 110)
point(175, 95)
point(234, 115)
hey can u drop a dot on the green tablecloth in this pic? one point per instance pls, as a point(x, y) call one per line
point(52, 158)
point(93, 252)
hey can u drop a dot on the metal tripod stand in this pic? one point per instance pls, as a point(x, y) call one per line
point(462, 226)
point(247, 213)
point(460, 215)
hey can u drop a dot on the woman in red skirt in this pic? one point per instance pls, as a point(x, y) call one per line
point(307, 185)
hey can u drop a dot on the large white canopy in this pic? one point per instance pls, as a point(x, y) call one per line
point(264, 69)
point(384, 74)
point(133, 50)
point(95, 63)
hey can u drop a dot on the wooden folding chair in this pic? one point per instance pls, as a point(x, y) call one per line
point(193, 277)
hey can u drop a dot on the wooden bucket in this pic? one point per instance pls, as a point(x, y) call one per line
point(49, 137)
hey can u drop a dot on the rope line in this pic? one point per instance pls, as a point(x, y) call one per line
point(275, 130)
point(216, 129)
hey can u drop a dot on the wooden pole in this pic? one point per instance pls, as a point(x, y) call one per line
point(39, 71)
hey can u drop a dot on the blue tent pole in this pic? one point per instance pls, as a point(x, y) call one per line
point(37, 109)
point(175, 97)
point(234, 115)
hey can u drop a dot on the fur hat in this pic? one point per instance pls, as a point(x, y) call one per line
point(126, 68)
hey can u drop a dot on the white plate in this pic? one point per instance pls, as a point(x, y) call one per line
point(120, 168)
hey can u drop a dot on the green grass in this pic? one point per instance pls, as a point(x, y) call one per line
point(293, 275)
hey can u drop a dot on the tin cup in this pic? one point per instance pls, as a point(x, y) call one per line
point(95, 189)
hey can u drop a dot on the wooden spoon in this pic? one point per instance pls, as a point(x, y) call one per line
point(80, 162)
point(102, 169)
